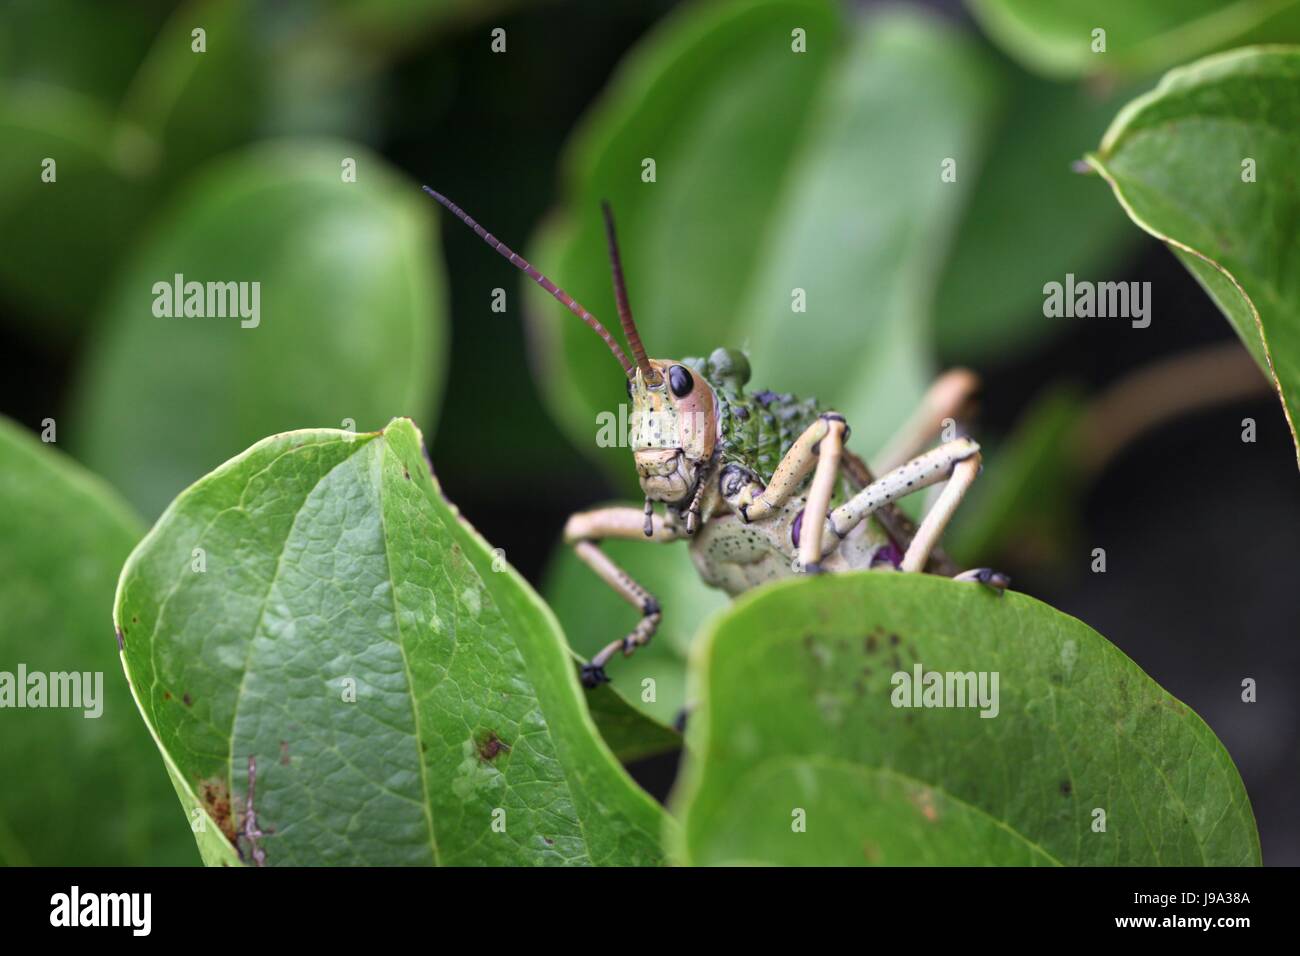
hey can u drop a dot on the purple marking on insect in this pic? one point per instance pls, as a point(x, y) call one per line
point(796, 528)
point(889, 554)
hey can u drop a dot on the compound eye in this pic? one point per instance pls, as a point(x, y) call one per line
point(680, 380)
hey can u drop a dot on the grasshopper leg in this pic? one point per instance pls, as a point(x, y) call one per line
point(583, 531)
point(817, 504)
point(936, 520)
point(940, 513)
point(925, 470)
point(993, 580)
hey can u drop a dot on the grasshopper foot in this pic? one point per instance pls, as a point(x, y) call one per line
point(593, 675)
point(995, 581)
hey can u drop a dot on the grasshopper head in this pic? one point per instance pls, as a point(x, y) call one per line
point(673, 428)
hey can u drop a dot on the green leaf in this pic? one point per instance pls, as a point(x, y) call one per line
point(1056, 38)
point(351, 320)
point(1030, 220)
point(102, 799)
point(332, 561)
point(81, 46)
point(775, 170)
point(592, 615)
point(628, 732)
point(184, 105)
point(794, 686)
point(1177, 162)
point(57, 273)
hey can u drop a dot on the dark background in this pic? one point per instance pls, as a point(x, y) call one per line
point(1201, 531)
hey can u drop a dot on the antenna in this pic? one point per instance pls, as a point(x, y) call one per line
point(569, 302)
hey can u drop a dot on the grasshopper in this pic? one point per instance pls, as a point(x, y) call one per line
point(760, 483)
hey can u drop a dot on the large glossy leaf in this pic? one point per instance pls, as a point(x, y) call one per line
point(1031, 219)
point(775, 171)
point(81, 791)
point(1205, 162)
point(795, 713)
point(350, 326)
point(332, 562)
point(1056, 36)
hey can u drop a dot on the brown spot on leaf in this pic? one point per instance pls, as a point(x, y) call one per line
point(189, 701)
point(167, 695)
point(490, 745)
point(284, 753)
point(215, 796)
point(1066, 788)
point(923, 799)
point(894, 640)
point(406, 473)
point(871, 643)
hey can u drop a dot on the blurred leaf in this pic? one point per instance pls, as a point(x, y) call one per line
point(1030, 221)
point(186, 106)
point(863, 217)
point(62, 240)
point(1177, 162)
point(775, 171)
point(397, 23)
point(795, 698)
point(351, 318)
point(332, 556)
point(1056, 38)
point(592, 615)
point(1027, 493)
point(83, 46)
point(83, 791)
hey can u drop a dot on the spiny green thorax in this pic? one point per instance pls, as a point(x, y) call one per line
point(757, 428)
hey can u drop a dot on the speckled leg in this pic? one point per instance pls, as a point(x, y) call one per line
point(793, 468)
point(921, 472)
point(583, 531)
point(818, 502)
point(940, 513)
